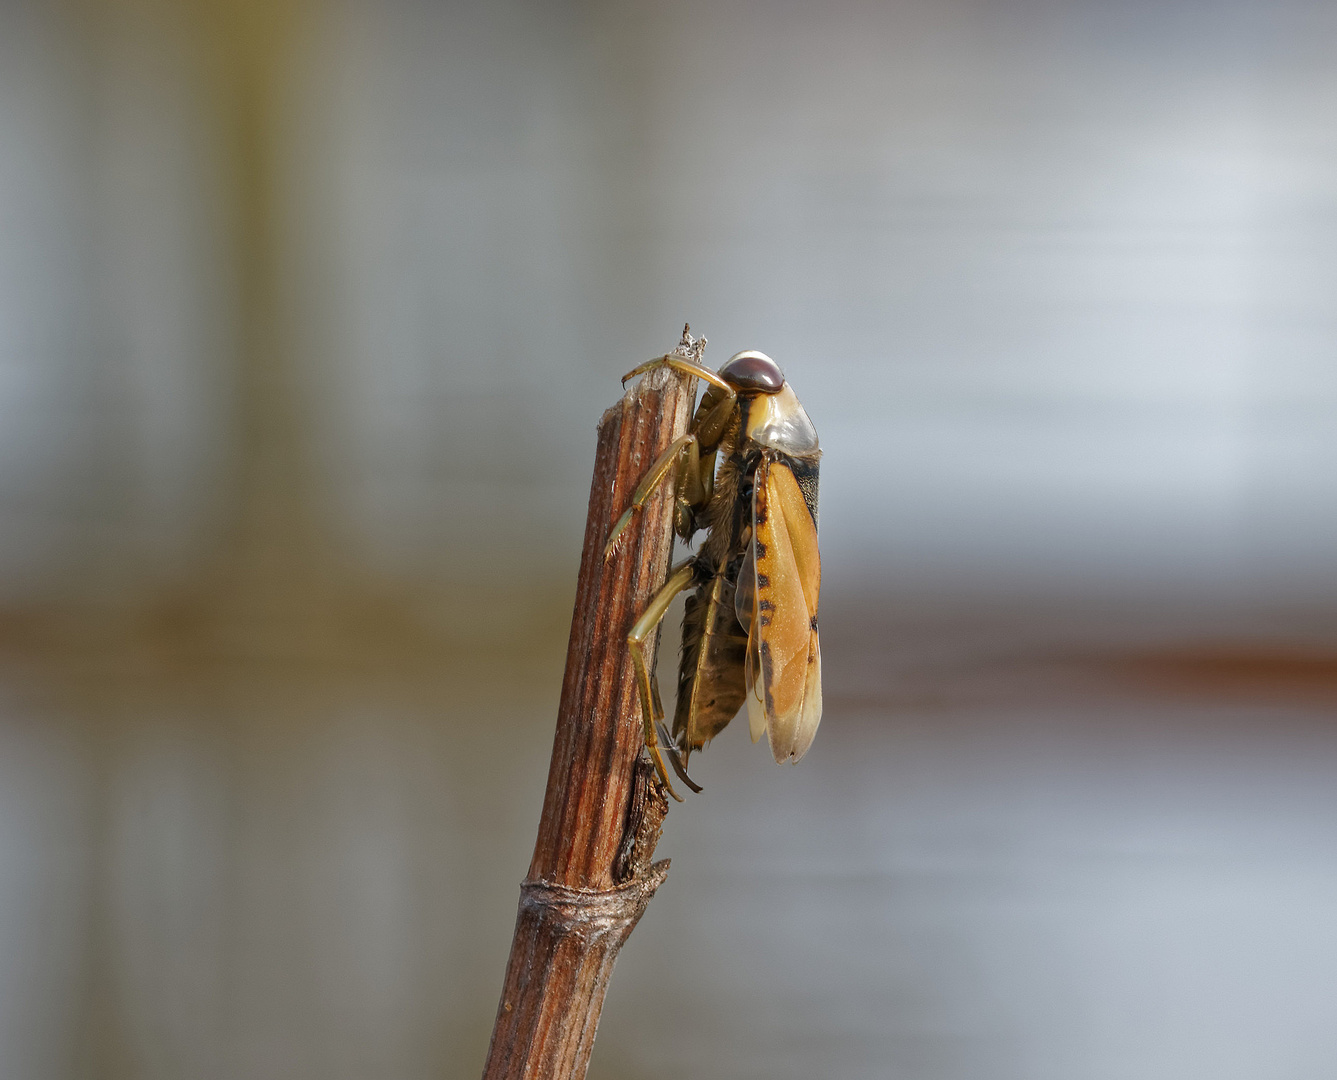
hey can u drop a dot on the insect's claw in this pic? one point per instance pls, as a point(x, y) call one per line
point(674, 759)
point(641, 369)
point(663, 773)
point(619, 528)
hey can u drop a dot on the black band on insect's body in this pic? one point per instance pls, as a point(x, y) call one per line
point(806, 472)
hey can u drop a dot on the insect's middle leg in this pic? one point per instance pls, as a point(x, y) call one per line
point(682, 444)
point(682, 578)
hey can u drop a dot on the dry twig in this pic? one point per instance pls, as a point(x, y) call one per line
point(592, 876)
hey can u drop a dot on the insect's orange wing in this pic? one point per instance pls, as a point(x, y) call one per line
point(784, 676)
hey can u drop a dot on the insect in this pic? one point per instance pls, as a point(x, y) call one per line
point(746, 472)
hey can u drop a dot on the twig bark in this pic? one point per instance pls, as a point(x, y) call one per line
point(592, 876)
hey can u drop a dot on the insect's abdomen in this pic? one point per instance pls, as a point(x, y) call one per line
point(711, 676)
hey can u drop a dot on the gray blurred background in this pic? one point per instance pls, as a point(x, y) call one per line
point(307, 313)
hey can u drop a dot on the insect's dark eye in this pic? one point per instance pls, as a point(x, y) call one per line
point(753, 370)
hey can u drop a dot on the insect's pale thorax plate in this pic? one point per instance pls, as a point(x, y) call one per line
point(779, 421)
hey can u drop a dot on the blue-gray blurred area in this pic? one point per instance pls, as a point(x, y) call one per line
point(307, 313)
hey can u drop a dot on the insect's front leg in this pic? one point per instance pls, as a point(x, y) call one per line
point(687, 367)
point(682, 578)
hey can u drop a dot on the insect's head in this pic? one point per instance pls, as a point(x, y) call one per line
point(753, 372)
point(771, 414)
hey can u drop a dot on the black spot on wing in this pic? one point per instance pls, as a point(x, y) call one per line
point(765, 650)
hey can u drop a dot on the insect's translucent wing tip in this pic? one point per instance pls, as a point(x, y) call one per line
point(756, 707)
point(811, 713)
point(756, 717)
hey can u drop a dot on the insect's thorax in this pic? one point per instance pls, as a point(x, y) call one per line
point(774, 424)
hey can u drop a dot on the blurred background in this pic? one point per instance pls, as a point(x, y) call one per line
point(308, 309)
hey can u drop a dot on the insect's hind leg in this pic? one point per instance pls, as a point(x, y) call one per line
point(682, 578)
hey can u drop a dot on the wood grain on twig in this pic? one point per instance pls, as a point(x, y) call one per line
point(592, 873)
